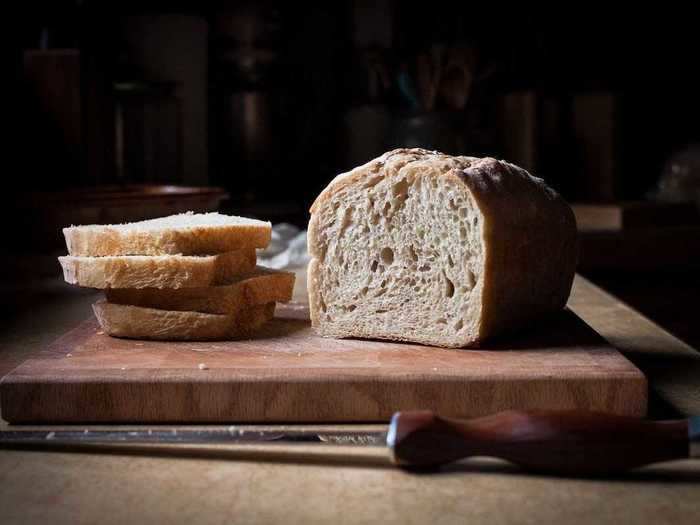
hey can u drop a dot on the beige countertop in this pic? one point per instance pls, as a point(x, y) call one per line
point(88, 488)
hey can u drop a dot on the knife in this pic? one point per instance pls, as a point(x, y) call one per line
point(559, 442)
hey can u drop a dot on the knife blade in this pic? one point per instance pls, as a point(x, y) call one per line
point(230, 434)
point(561, 442)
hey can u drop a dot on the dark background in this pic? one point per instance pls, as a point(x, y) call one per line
point(270, 100)
point(299, 73)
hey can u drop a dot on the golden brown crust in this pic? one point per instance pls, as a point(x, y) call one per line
point(530, 235)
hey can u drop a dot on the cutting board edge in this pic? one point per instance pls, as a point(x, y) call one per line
point(611, 395)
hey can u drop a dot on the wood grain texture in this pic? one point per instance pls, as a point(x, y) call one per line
point(286, 373)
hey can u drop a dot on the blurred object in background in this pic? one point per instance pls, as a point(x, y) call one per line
point(454, 79)
point(596, 129)
point(680, 178)
point(148, 132)
point(634, 215)
point(53, 78)
point(518, 126)
point(658, 234)
point(163, 57)
point(244, 58)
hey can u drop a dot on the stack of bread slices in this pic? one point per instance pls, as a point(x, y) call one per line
point(182, 277)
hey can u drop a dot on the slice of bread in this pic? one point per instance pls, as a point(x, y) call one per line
point(259, 287)
point(185, 234)
point(137, 322)
point(425, 247)
point(160, 271)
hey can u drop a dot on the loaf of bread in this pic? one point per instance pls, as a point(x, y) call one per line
point(425, 247)
point(252, 289)
point(138, 322)
point(156, 271)
point(184, 234)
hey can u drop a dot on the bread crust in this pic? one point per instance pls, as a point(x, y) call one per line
point(528, 235)
point(168, 271)
point(257, 288)
point(137, 322)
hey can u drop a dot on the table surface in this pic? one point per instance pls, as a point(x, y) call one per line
point(85, 488)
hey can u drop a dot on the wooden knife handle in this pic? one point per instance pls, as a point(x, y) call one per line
point(566, 442)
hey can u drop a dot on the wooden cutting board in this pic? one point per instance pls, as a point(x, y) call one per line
point(286, 373)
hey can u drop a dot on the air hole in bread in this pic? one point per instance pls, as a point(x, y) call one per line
point(463, 213)
point(471, 279)
point(453, 206)
point(400, 192)
point(459, 325)
point(387, 209)
point(387, 256)
point(373, 266)
point(381, 311)
point(347, 220)
point(323, 304)
point(364, 291)
point(449, 286)
point(442, 320)
point(374, 219)
point(450, 261)
point(352, 308)
point(424, 268)
point(412, 253)
point(463, 233)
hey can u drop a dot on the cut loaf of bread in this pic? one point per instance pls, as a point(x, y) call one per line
point(424, 247)
point(137, 322)
point(159, 271)
point(185, 234)
point(259, 287)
